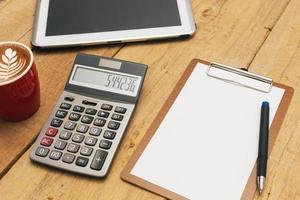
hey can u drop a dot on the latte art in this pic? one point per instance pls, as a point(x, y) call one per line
point(10, 64)
point(15, 60)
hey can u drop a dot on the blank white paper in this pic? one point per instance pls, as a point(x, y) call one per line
point(206, 146)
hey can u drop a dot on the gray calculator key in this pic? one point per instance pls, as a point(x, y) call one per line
point(90, 141)
point(120, 110)
point(95, 131)
point(87, 119)
point(117, 117)
point(65, 135)
point(61, 113)
point(77, 138)
point(81, 161)
point(68, 158)
point(69, 98)
point(103, 114)
point(99, 122)
point(99, 159)
point(56, 122)
point(60, 145)
point(55, 155)
point(66, 106)
point(70, 125)
point(109, 134)
point(91, 111)
point(73, 148)
point(41, 151)
point(74, 116)
point(78, 109)
point(82, 128)
point(88, 102)
point(113, 125)
point(105, 144)
point(86, 151)
point(106, 107)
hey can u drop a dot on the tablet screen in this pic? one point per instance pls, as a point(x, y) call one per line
point(90, 16)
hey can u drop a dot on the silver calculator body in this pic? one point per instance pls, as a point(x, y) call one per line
point(83, 132)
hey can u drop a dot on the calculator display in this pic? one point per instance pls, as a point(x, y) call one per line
point(110, 81)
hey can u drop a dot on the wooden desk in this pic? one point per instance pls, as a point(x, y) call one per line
point(261, 35)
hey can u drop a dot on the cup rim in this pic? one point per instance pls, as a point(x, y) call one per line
point(28, 67)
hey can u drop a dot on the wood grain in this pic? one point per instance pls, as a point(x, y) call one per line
point(280, 58)
point(3, 3)
point(53, 67)
point(15, 137)
point(230, 32)
point(16, 18)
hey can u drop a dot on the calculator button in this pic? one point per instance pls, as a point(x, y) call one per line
point(61, 113)
point(87, 119)
point(73, 148)
point(78, 109)
point(90, 141)
point(68, 158)
point(86, 151)
point(117, 117)
point(106, 107)
point(104, 144)
point(69, 98)
point(113, 125)
point(99, 122)
point(77, 138)
point(99, 159)
point(51, 132)
point(65, 135)
point(90, 103)
point(66, 106)
point(95, 131)
point(81, 161)
point(90, 111)
point(56, 122)
point(70, 125)
point(46, 141)
point(120, 110)
point(103, 114)
point(41, 151)
point(109, 134)
point(74, 116)
point(82, 128)
point(60, 145)
point(55, 155)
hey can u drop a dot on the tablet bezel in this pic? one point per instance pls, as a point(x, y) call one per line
point(40, 39)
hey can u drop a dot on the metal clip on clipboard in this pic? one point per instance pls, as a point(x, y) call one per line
point(240, 77)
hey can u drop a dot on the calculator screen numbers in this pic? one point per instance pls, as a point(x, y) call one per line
point(101, 79)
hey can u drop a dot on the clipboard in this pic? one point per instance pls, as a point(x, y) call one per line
point(250, 186)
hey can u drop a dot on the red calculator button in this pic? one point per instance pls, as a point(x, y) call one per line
point(51, 132)
point(46, 141)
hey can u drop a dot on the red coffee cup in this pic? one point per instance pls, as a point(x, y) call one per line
point(19, 82)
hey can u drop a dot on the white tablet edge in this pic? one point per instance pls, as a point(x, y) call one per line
point(40, 39)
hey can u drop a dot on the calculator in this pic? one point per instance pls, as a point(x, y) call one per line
point(84, 130)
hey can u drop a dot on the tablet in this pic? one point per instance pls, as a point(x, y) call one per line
point(86, 22)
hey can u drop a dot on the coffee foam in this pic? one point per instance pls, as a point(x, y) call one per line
point(14, 60)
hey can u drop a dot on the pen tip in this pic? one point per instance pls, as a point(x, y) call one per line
point(260, 192)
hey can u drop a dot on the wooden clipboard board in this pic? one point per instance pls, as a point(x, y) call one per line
point(250, 188)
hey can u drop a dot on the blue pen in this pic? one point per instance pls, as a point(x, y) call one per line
point(263, 146)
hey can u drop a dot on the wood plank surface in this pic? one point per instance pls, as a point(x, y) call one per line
point(280, 59)
point(3, 3)
point(229, 32)
point(16, 17)
point(53, 67)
